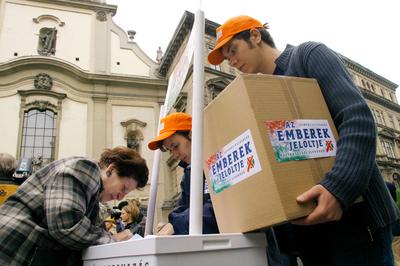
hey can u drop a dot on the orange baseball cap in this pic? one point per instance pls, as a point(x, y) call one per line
point(169, 125)
point(226, 31)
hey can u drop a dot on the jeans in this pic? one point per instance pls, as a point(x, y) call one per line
point(350, 241)
point(52, 257)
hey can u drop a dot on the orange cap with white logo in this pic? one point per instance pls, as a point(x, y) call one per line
point(169, 125)
point(226, 31)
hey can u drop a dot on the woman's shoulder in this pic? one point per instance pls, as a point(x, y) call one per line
point(85, 170)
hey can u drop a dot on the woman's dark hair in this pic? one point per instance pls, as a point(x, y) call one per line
point(127, 162)
point(183, 133)
point(265, 36)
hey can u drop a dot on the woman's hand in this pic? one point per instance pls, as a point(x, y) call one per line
point(122, 236)
point(167, 229)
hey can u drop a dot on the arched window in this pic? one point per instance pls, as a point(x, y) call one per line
point(39, 134)
point(41, 110)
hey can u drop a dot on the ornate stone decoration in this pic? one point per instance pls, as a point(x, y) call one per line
point(47, 41)
point(181, 102)
point(133, 141)
point(133, 133)
point(41, 105)
point(49, 17)
point(101, 15)
point(131, 35)
point(214, 87)
point(43, 82)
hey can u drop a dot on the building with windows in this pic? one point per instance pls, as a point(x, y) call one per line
point(380, 95)
point(72, 82)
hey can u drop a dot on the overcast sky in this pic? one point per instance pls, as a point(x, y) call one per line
point(365, 31)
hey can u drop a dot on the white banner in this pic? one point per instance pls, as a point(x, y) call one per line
point(179, 74)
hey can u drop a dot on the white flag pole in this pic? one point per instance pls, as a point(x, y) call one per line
point(196, 180)
point(154, 184)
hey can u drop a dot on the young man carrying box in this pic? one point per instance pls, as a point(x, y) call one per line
point(338, 231)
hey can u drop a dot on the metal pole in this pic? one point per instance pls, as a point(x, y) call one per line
point(154, 184)
point(196, 181)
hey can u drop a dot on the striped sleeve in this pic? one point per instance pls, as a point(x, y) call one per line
point(356, 147)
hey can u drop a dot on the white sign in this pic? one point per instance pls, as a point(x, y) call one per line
point(179, 74)
point(301, 139)
point(236, 161)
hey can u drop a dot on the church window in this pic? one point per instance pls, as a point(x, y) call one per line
point(39, 134)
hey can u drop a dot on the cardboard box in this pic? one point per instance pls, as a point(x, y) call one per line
point(260, 136)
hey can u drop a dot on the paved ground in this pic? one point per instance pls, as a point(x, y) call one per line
point(396, 250)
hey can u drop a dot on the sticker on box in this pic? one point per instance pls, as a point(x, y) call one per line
point(301, 139)
point(236, 161)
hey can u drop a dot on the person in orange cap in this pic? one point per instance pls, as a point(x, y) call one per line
point(339, 231)
point(175, 137)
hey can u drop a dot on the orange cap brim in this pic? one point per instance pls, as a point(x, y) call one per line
point(153, 145)
point(215, 57)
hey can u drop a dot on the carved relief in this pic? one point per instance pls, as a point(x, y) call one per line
point(101, 15)
point(47, 41)
point(133, 133)
point(181, 103)
point(133, 141)
point(41, 105)
point(43, 81)
point(214, 87)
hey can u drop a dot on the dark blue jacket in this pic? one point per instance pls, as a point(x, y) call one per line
point(179, 217)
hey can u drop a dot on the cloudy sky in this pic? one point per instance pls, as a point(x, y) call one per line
point(364, 31)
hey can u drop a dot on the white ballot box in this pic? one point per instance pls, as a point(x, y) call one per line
point(194, 250)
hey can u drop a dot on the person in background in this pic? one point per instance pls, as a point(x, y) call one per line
point(131, 217)
point(53, 214)
point(109, 225)
point(8, 164)
point(117, 216)
point(141, 220)
point(175, 137)
point(339, 231)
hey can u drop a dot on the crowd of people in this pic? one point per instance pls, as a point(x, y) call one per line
point(52, 216)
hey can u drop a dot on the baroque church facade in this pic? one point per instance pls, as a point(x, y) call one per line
point(72, 82)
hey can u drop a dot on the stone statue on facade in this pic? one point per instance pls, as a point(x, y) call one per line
point(37, 163)
point(159, 54)
point(47, 41)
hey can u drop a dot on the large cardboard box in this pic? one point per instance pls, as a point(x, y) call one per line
point(267, 139)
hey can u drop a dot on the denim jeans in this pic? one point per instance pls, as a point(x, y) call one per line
point(350, 241)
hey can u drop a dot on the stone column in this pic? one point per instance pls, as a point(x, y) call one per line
point(99, 140)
